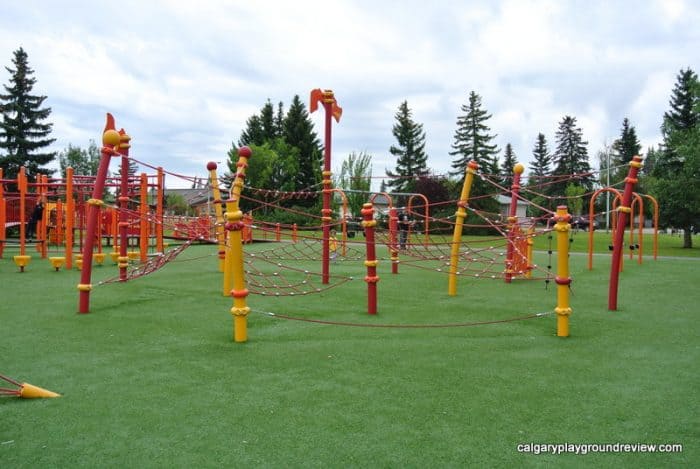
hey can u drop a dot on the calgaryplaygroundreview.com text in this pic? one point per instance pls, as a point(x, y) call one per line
point(586, 448)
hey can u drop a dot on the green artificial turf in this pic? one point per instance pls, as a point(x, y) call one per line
point(152, 378)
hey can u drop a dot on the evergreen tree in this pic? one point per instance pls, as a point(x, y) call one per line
point(298, 131)
point(267, 120)
point(253, 134)
point(676, 185)
point(571, 157)
point(22, 133)
point(472, 140)
point(650, 161)
point(542, 161)
point(624, 149)
point(279, 119)
point(509, 162)
point(411, 160)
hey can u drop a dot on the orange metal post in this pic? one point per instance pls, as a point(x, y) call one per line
point(143, 223)
point(70, 218)
point(513, 221)
point(159, 209)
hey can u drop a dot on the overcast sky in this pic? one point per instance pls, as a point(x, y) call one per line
point(182, 77)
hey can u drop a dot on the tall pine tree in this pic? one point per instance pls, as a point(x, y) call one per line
point(571, 158)
point(472, 141)
point(624, 148)
point(411, 159)
point(22, 132)
point(541, 165)
point(298, 131)
point(509, 162)
point(540, 168)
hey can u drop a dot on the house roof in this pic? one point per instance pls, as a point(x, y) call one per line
point(192, 196)
point(505, 200)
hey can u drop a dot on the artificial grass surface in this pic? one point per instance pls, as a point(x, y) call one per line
point(152, 378)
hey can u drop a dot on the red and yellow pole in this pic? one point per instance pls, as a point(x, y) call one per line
point(368, 223)
point(110, 140)
point(234, 225)
point(461, 214)
point(218, 210)
point(563, 281)
point(143, 221)
point(330, 105)
point(622, 211)
point(160, 194)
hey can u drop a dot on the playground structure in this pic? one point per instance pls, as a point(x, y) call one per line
point(506, 256)
point(63, 225)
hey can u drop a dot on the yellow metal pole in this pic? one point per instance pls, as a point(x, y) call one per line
point(461, 214)
point(214, 182)
point(563, 310)
point(234, 224)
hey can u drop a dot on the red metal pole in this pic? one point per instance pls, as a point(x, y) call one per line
point(368, 223)
point(110, 139)
point(623, 210)
point(332, 109)
point(326, 211)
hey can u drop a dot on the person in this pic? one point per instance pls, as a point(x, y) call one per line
point(333, 246)
point(404, 226)
point(35, 218)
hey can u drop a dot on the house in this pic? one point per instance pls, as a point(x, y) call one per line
point(200, 200)
point(504, 204)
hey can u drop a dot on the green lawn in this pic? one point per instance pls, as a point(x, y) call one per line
point(152, 378)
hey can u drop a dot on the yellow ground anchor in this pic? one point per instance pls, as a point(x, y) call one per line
point(22, 262)
point(26, 390)
point(57, 262)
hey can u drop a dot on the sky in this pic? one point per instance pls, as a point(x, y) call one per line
point(182, 77)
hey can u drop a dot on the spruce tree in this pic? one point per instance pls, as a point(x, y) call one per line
point(541, 165)
point(571, 157)
point(298, 131)
point(540, 168)
point(253, 134)
point(22, 131)
point(411, 160)
point(624, 149)
point(472, 140)
point(509, 162)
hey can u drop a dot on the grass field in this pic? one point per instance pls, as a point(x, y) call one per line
point(152, 378)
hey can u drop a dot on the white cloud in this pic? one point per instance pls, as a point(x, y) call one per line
point(183, 77)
